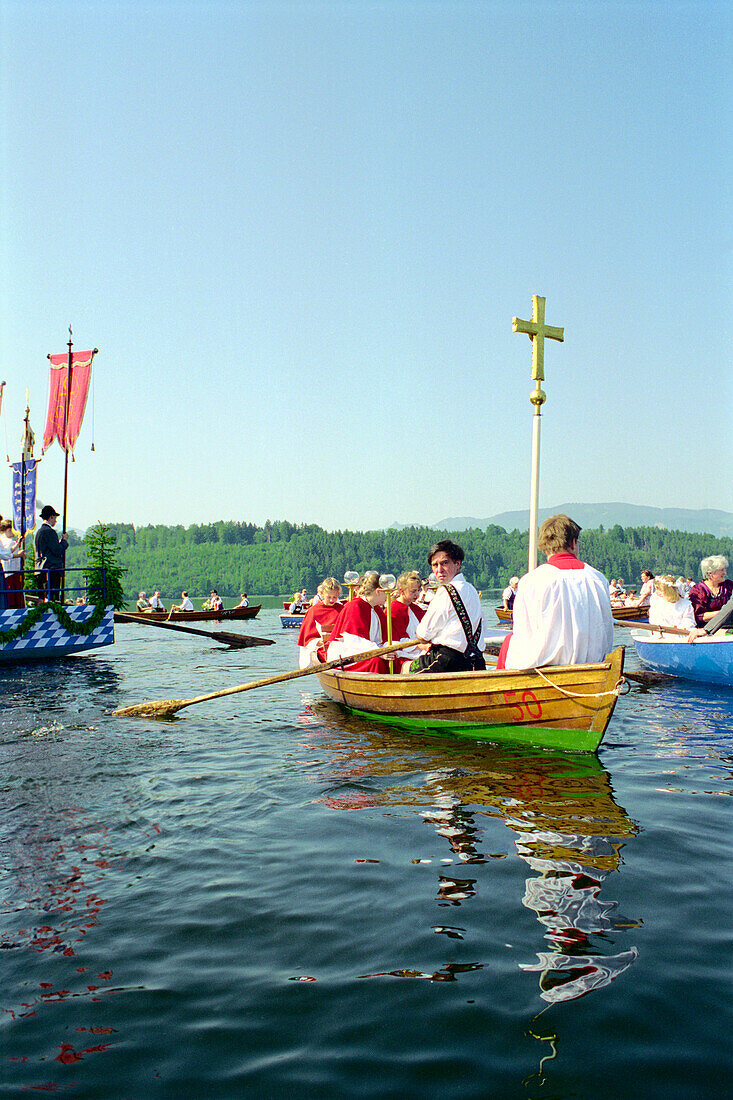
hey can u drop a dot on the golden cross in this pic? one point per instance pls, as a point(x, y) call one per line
point(537, 330)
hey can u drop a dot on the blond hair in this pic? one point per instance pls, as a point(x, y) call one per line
point(329, 585)
point(368, 584)
point(557, 533)
point(407, 580)
point(666, 588)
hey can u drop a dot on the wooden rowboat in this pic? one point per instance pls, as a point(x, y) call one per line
point(707, 660)
point(561, 707)
point(620, 614)
point(631, 614)
point(201, 616)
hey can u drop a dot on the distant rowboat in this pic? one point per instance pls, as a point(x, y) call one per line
point(201, 616)
point(620, 614)
point(291, 622)
point(631, 614)
point(563, 707)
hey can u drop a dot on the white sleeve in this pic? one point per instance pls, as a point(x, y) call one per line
point(437, 615)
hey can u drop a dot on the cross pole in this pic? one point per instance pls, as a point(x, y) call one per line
point(537, 331)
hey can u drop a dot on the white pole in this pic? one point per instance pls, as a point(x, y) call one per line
point(534, 494)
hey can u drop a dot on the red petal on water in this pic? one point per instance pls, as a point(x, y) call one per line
point(67, 1055)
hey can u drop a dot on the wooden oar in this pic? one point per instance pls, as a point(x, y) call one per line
point(224, 637)
point(647, 676)
point(166, 708)
point(652, 626)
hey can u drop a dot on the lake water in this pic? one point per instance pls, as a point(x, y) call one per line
point(267, 898)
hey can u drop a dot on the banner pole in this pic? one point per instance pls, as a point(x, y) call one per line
point(66, 450)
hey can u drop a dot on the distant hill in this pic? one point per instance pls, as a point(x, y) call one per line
point(707, 520)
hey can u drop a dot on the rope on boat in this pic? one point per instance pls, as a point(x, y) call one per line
point(585, 694)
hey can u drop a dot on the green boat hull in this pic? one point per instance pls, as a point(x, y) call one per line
point(574, 740)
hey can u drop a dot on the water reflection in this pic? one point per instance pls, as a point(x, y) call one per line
point(567, 826)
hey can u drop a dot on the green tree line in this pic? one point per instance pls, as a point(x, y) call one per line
point(281, 557)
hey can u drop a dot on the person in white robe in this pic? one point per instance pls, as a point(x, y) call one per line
point(562, 610)
point(668, 608)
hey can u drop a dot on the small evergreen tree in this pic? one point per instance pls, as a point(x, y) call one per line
point(29, 579)
point(103, 573)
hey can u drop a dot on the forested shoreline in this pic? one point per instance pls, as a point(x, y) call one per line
point(280, 557)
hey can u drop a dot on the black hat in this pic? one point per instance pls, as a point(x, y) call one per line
point(47, 511)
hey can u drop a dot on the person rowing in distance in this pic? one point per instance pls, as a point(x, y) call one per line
point(156, 604)
point(509, 593)
point(562, 610)
point(450, 633)
point(184, 605)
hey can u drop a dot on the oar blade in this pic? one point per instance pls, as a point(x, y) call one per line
point(239, 641)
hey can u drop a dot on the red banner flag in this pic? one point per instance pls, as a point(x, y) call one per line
point(81, 373)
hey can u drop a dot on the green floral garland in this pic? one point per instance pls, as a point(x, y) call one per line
point(71, 625)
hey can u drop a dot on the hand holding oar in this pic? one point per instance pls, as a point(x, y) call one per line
point(166, 708)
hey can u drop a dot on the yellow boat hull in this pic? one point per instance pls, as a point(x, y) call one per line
point(561, 707)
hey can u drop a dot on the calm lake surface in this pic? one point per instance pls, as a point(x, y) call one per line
point(267, 898)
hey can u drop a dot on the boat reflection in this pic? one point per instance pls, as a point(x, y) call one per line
point(567, 826)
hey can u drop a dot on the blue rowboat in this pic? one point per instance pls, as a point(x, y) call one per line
point(709, 660)
point(291, 621)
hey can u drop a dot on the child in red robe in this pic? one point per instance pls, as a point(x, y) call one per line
point(406, 613)
point(362, 625)
point(319, 622)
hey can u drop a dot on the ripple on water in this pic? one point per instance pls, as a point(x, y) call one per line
point(267, 897)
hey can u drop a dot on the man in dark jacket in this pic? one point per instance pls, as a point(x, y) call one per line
point(50, 553)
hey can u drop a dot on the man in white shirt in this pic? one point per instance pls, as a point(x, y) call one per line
point(184, 605)
point(450, 631)
point(562, 611)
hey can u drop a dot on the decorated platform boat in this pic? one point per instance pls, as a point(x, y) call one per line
point(707, 660)
point(48, 631)
point(561, 707)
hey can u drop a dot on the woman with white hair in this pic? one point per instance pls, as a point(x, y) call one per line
point(713, 591)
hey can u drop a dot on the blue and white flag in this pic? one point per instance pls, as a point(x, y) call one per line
point(30, 494)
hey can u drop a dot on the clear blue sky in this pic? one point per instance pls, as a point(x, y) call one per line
point(298, 232)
